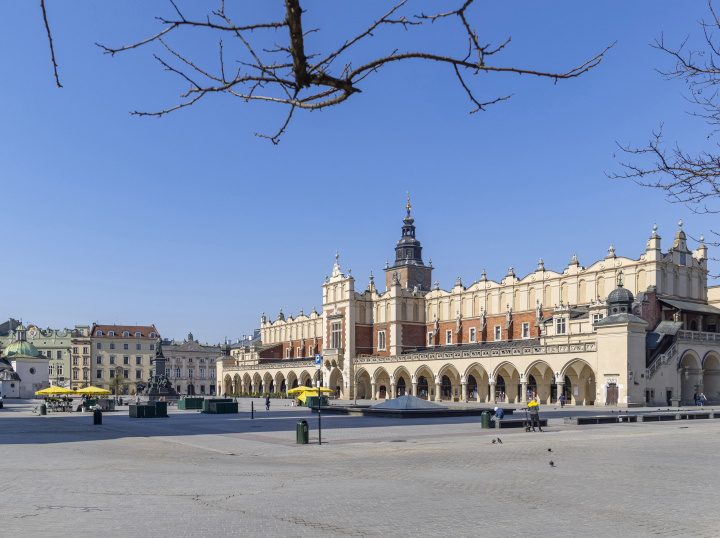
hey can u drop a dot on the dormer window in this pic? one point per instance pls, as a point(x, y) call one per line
point(98, 333)
point(126, 334)
point(111, 333)
point(152, 335)
point(137, 334)
point(560, 326)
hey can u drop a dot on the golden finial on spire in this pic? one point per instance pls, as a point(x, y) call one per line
point(408, 206)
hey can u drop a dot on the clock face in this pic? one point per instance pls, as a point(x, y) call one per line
point(419, 275)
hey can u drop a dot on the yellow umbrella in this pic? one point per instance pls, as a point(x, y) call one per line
point(54, 390)
point(92, 390)
point(308, 389)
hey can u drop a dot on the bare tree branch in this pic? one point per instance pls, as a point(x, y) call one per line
point(302, 82)
point(52, 50)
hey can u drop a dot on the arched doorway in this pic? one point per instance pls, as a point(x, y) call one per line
point(446, 388)
point(472, 388)
point(283, 388)
point(382, 391)
point(711, 378)
point(295, 383)
point(401, 387)
point(423, 387)
point(567, 390)
point(500, 389)
point(191, 390)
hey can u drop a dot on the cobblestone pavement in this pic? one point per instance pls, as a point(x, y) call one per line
point(213, 475)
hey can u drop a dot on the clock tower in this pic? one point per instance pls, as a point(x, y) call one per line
point(408, 267)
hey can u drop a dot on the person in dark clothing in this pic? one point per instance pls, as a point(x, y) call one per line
point(534, 409)
point(267, 403)
point(562, 400)
point(499, 414)
point(695, 398)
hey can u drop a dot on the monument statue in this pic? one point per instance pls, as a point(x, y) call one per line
point(158, 348)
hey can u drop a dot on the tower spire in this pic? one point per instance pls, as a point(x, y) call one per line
point(408, 206)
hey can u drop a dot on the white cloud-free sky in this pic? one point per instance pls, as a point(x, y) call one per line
point(194, 224)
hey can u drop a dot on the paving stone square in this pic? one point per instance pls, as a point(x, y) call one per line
point(193, 474)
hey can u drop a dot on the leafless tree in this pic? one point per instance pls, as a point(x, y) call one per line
point(686, 178)
point(52, 50)
point(289, 75)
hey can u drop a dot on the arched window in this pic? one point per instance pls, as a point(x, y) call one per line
point(153, 335)
point(126, 334)
point(111, 333)
point(98, 333)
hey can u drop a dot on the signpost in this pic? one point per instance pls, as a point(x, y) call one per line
point(318, 365)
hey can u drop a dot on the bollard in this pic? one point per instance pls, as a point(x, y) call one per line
point(252, 410)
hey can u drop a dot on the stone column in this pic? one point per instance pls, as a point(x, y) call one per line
point(438, 392)
point(414, 389)
point(464, 392)
point(234, 387)
point(560, 389)
point(523, 397)
point(492, 392)
point(374, 389)
point(393, 388)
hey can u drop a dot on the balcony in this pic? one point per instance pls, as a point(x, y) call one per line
point(698, 336)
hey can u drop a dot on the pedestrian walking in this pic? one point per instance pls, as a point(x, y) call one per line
point(534, 409)
point(702, 399)
point(562, 401)
point(695, 398)
point(267, 403)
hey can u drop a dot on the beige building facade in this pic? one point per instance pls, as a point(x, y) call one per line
point(622, 331)
point(191, 366)
point(122, 350)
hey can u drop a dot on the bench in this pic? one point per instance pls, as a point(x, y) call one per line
point(658, 417)
point(514, 423)
point(600, 419)
point(694, 416)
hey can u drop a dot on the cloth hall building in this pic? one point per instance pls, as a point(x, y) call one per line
point(622, 332)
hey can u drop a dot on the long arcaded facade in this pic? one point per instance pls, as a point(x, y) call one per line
point(622, 332)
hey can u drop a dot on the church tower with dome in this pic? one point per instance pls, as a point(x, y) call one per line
point(408, 268)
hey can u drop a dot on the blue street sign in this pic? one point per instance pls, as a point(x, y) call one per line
point(318, 361)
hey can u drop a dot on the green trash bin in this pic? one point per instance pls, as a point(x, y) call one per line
point(301, 432)
point(43, 409)
point(485, 420)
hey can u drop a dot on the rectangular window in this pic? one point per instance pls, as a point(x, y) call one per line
point(98, 359)
point(138, 347)
point(112, 374)
point(126, 346)
point(98, 345)
point(526, 330)
point(298, 352)
point(448, 337)
point(287, 353)
point(85, 374)
point(138, 360)
point(152, 347)
point(60, 369)
point(472, 334)
point(126, 374)
point(190, 360)
point(112, 345)
point(178, 372)
point(49, 354)
point(560, 326)
point(86, 361)
point(75, 361)
point(50, 369)
point(126, 360)
point(336, 335)
point(75, 374)
point(112, 359)
point(138, 374)
point(430, 338)
point(85, 350)
point(75, 350)
point(190, 372)
point(98, 374)
point(59, 355)
point(212, 372)
point(203, 360)
point(595, 319)
point(498, 333)
point(381, 340)
point(212, 361)
point(202, 372)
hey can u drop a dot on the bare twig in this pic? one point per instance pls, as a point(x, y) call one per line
point(52, 50)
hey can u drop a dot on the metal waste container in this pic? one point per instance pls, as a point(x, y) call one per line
point(97, 417)
point(485, 419)
point(43, 409)
point(301, 432)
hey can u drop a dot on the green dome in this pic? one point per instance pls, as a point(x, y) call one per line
point(22, 347)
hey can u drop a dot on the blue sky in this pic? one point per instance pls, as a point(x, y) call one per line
point(194, 224)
